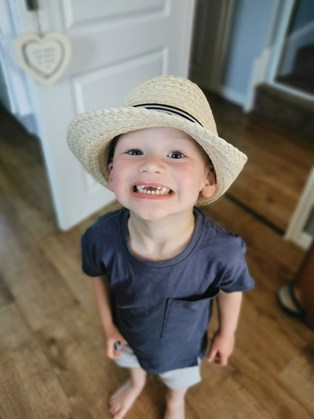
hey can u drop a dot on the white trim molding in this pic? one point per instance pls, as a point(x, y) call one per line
point(300, 216)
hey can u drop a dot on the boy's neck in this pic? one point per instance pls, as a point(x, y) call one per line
point(162, 239)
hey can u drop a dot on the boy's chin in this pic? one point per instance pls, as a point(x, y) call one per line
point(159, 214)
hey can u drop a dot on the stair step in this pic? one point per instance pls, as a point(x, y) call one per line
point(290, 113)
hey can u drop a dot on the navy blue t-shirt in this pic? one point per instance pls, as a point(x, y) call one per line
point(163, 308)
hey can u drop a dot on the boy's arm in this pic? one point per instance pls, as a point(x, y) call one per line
point(111, 333)
point(229, 305)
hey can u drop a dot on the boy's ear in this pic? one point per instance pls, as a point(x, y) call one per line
point(109, 168)
point(210, 185)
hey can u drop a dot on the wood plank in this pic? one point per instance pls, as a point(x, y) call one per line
point(37, 288)
point(5, 292)
point(297, 377)
point(29, 388)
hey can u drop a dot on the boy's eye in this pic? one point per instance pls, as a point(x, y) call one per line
point(134, 152)
point(176, 155)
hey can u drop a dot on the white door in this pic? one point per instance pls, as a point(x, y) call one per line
point(116, 44)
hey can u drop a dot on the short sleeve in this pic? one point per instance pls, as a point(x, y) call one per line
point(91, 262)
point(236, 276)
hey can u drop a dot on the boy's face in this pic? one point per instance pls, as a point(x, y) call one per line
point(159, 171)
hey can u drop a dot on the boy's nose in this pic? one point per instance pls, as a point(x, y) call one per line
point(152, 164)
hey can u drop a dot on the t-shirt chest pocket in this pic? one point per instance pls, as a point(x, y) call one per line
point(186, 317)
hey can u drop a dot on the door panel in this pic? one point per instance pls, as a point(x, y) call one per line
point(107, 87)
point(79, 11)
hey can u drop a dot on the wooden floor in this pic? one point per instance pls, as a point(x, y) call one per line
point(52, 362)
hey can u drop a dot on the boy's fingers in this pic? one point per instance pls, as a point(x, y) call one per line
point(115, 348)
point(112, 351)
point(211, 355)
point(222, 359)
point(216, 356)
point(114, 354)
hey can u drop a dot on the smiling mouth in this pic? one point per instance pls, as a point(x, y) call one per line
point(152, 190)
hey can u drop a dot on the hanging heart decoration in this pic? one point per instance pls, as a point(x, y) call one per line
point(44, 57)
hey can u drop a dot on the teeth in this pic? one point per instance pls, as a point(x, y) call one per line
point(152, 190)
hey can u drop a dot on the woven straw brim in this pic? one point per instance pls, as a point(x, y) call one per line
point(90, 133)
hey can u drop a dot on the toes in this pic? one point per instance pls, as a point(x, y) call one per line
point(113, 406)
point(117, 413)
point(115, 410)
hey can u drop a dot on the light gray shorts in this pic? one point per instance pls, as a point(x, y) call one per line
point(174, 379)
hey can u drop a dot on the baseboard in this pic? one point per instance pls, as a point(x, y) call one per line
point(302, 212)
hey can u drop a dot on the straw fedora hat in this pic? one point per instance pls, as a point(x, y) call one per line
point(164, 101)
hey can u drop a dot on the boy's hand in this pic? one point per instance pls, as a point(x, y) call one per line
point(113, 336)
point(220, 349)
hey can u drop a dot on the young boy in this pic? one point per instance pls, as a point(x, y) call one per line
point(158, 262)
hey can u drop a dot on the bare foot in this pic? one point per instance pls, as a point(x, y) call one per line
point(175, 405)
point(121, 401)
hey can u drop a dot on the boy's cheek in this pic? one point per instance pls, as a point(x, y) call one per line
point(110, 183)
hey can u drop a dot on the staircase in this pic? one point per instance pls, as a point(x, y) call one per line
point(301, 75)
